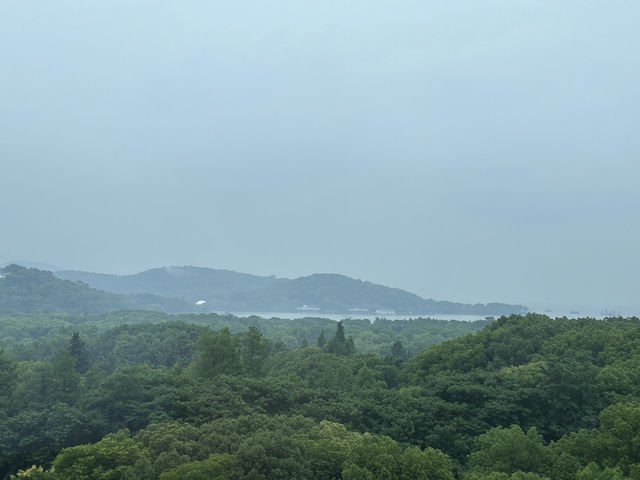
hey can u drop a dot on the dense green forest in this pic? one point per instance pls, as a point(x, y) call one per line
point(37, 336)
point(143, 395)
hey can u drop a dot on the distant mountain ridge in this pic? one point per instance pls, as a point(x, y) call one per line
point(188, 282)
point(32, 264)
point(226, 290)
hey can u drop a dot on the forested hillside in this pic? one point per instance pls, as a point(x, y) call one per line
point(525, 398)
point(228, 291)
point(189, 282)
point(176, 289)
point(31, 290)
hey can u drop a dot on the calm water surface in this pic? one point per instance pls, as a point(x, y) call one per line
point(372, 317)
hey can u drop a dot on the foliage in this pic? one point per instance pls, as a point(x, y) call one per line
point(526, 398)
point(32, 290)
point(510, 450)
point(131, 337)
point(78, 351)
point(339, 345)
point(114, 457)
point(219, 466)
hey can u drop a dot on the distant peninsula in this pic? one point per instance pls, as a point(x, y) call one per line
point(207, 289)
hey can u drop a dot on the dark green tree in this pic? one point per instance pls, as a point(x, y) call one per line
point(65, 381)
point(78, 351)
point(254, 351)
point(339, 345)
point(219, 353)
point(7, 379)
point(397, 350)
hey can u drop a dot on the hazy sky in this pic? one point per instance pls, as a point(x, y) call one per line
point(463, 150)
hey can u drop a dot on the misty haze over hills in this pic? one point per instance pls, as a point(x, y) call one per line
point(461, 150)
point(225, 290)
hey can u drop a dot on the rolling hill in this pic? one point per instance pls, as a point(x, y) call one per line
point(31, 290)
point(229, 291)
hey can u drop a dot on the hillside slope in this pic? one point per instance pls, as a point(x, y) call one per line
point(31, 290)
point(225, 290)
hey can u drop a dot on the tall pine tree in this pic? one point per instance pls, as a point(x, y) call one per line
point(339, 345)
point(78, 351)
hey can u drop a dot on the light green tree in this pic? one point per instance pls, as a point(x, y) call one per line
point(373, 456)
point(219, 466)
point(509, 450)
point(115, 457)
point(430, 464)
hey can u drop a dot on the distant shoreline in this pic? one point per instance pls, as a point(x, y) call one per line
point(372, 317)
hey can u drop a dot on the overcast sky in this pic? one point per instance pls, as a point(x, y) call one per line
point(463, 150)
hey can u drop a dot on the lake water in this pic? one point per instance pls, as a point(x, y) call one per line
point(372, 317)
point(338, 317)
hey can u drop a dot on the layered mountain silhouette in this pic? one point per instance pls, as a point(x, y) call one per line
point(228, 291)
point(25, 289)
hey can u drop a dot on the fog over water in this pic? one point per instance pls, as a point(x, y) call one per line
point(467, 151)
